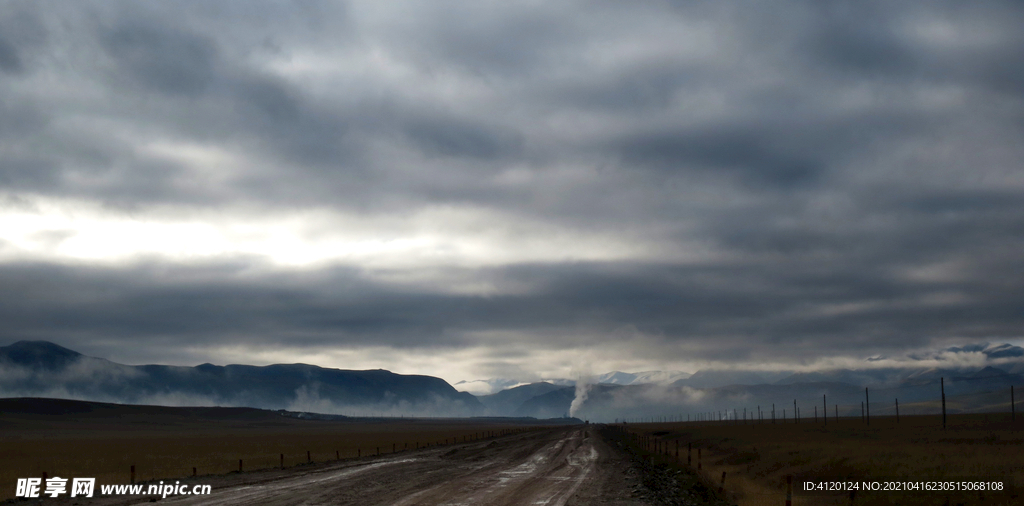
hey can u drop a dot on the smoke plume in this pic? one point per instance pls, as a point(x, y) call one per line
point(584, 382)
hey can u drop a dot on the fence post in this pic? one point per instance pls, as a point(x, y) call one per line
point(239, 465)
point(897, 410)
point(789, 490)
point(721, 487)
point(796, 415)
point(867, 404)
point(824, 408)
point(282, 461)
point(689, 454)
point(193, 472)
point(308, 458)
point(133, 475)
point(698, 459)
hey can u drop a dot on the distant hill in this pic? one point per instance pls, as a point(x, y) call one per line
point(711, 378)
point(865, 377)
point(25, 407)
point(38, 355)
point(485, 387)
point(639, 378)
point(552, 404)
point(616, 378)
point(44, 369)
point(507, 402)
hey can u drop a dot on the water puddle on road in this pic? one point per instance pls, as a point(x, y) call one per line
point(525, 469)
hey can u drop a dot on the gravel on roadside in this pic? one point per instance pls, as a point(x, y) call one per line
point(661, 484)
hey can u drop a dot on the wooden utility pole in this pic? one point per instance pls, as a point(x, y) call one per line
point(942, 385)
point(867, 404)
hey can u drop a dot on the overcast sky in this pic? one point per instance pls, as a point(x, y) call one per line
point(475, 189)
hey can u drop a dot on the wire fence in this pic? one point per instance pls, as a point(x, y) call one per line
point(801, 410)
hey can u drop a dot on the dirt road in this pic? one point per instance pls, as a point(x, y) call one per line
point(559, 466)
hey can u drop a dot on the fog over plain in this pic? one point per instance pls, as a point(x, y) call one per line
point(512, 190)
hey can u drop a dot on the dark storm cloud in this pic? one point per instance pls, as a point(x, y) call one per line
point(303, 134)
point(865, 48)
point(746, 310)
point(20, 120)
point(843, 176)
point(744, 151)
point(164, 60)
point(635, 89)
point(873, 40)
point(21, 36)
point(177, 62)
point(456, 138)
point(9, 60)
point(493, 41)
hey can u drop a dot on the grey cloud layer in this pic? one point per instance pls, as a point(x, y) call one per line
point(746, 311)
point(856, 168)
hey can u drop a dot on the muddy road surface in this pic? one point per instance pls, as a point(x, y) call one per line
point(558, 466)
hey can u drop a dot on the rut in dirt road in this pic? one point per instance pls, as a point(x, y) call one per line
point(550, 476)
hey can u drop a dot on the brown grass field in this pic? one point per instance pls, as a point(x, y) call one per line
point(757, 457)
point(168, 442)
point(161, 445)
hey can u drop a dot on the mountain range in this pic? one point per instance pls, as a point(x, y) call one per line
point(43, 369)
point(916, 386)
point(640, 378)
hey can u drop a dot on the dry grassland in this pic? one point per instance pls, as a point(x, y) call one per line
point(169, 448)
point(757, 457)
